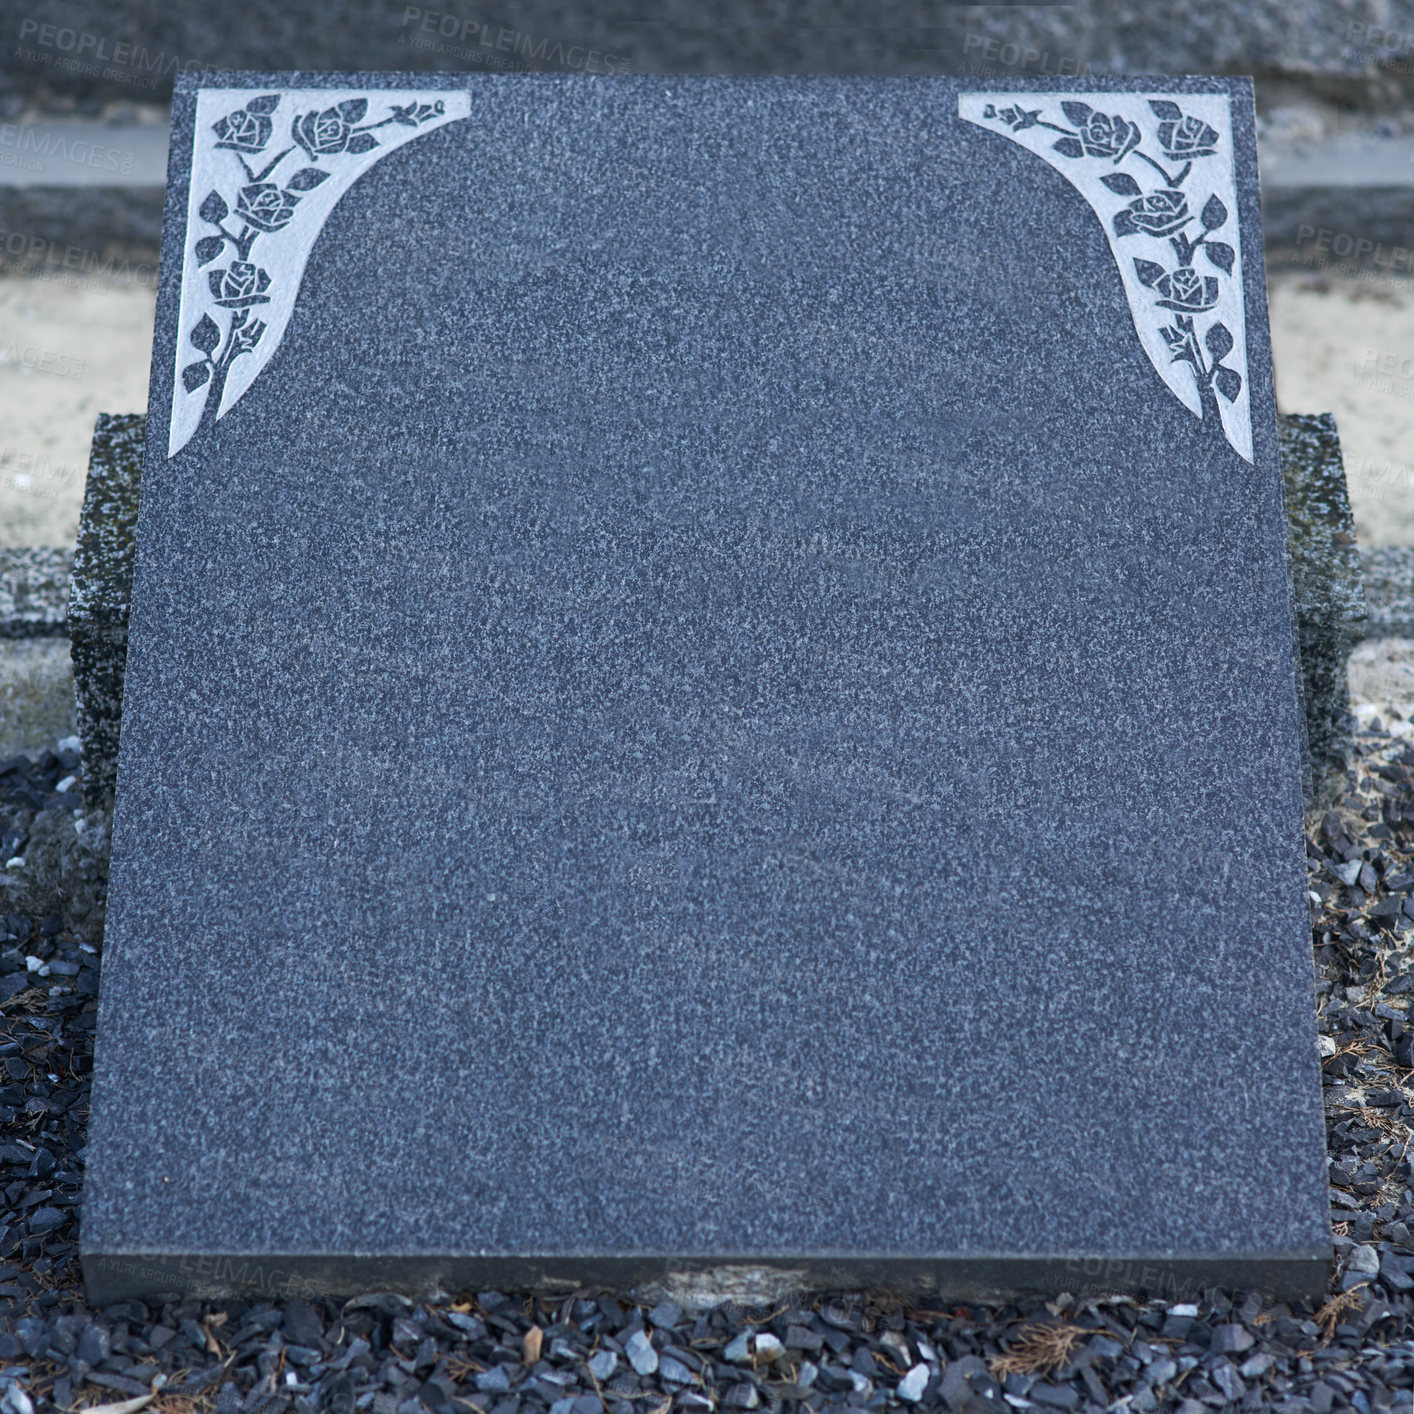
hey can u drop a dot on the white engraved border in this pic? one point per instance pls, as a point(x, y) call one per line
point(268, 166)
point(1158, 170)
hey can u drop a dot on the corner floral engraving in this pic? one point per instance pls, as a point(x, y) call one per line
point(258, 188)
point(1159, 173)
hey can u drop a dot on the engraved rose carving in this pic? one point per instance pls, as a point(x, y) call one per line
point(248, 129)
point(1182, 136)
point(1159, 214)
point(1186, 290)
point(334, 130)
point(265, 207)
point(1168, 213)
point(1100, 135)
point(240, 286)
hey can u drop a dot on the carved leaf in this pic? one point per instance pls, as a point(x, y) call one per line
point(195, 374)
point(1229, 382)
point(1220, 255)
point(1164, 109)
point(208, 248)
point(353, 109)
point(1122, 184)
point(206, 335)
point(213, 209)
point(1147, 271)
point(362, 142)
point(266, 104)
point(1213, 215)
point(1219, 341)
point(1077, 113)
point(307, 178)
point(1070, 147)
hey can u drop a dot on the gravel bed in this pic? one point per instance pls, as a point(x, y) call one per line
point(498, 1353)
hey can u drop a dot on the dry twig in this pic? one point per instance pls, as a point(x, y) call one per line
point(1038, 1349)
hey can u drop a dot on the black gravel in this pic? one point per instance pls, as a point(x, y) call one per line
point(500, 1353)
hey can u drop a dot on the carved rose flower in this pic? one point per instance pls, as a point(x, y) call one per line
point(1185, 138)
point(243, 131)
point(1103, 136)
point(241, 286)
point(1158, 214)
point(1186, 290)
point(1099, 135)
point(264, 206)
point(328, 133)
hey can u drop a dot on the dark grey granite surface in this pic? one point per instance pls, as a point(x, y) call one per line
point(1326, 584)
point(102, 590)
point(1330, 583)
point(709, 707)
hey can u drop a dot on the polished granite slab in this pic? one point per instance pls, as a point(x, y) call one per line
point(711, 698)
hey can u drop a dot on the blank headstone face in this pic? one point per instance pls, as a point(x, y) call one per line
point(711, 698)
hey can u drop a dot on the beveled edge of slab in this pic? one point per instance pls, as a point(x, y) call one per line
point(985, 1279)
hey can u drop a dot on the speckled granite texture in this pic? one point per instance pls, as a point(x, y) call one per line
point(1326, 583)
point(102, 589)
point(1327, 576)
point(1389, 591)
point(709, 707)
point(34, 590)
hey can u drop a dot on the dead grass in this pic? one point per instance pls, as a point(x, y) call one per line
point(1039, 1349)
point(1328, 1317)
point(182, 1404)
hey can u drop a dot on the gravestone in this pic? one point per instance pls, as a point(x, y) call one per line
point(711, 700)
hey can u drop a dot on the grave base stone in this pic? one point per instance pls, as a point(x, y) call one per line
point(99, 599)
point(1327, 587)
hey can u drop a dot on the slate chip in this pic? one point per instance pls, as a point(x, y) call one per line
point(1052, 1396)
point(1229, 1339)
point(665, 1315)
point(640, 1353)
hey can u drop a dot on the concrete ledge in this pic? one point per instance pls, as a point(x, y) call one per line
point(81, 233)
